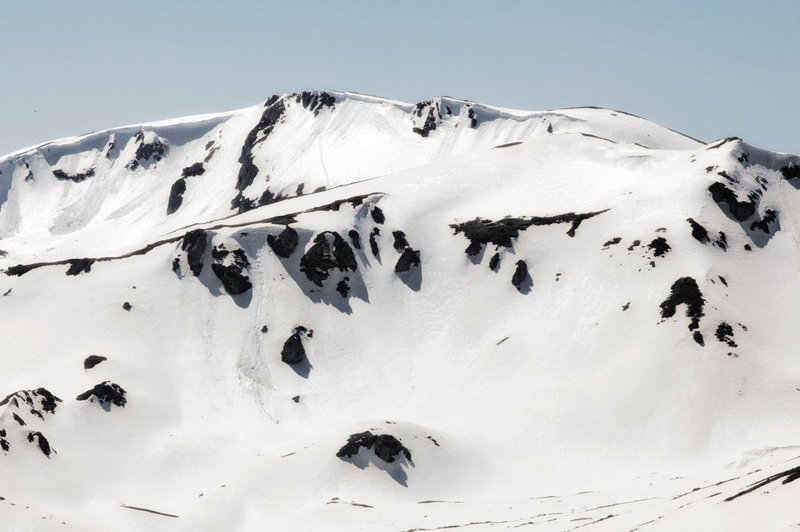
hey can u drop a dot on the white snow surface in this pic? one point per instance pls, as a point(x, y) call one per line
point(571, 402)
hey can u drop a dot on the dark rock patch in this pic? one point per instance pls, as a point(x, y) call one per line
point(18, 419)
point(78, 266)
point(698, 337)
point(355, 238)
point(373, 241)
point(430, 120)
point(93, 360)
point(328, 252)
point(507, 145)
point(75, 178)
point(400, 242)
point(626, 306)
point(659, 246)
point(724, 334)
point(293, 351)
point(285, 244)
point(44, 445)
point(520, 275)
point(194, 243)
point(264, 329)
point(193, 170)
point(408, 259)
point(494, 262)
point(377, 215)
point(315, 101)
point(385, 446)
point(740, 210)
point(635, 244)
point(273, 113)
point(127, 306)
point(500, 233)
point(613, 242)
point(699, 232)
point(176, 195)
point(791, 171)
point(766, 222)
point(685, 291)
point(343, 288)
point(106, 393)
point(230, 268)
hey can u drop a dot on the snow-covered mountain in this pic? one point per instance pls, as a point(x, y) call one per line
point(334, 311)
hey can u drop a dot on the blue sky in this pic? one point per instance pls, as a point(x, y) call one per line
point(709, 69)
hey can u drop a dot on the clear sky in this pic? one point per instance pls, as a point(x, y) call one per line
point(707, 68)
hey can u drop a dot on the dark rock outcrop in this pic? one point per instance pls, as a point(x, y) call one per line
point(285, 244)
point(741, 210)
point(273, 113)
point(106, 392)
point(408, 260)
point(377, 215)
point(355, 238)
point(44, 445)
point(127, 306)
point(520, 274)
point(194, 243)
point(230, 268)
point(385, 446)
point(176, 195)
point(685, 291)
point(724, 334)
point(329, 251)
point(293, 351)
point(791, 171)
point(93, 360)
point(373, 241)
point(315, 101)
point(659, 246)
point(501, 233)
point(78, 266)
point(193, 170)
point(75, 178)
point(400, 241)
point(494, 263)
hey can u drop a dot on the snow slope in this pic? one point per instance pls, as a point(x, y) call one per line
point(613, 333)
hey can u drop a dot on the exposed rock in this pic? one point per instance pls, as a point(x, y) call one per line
point(685, 291)
point(285, 244)
point(408, 260)
point(194, 244)
point(500, 233)
point(76, 178)
point(37, 401)
point(44, 445)
point(127, 306)
point(328, 252)
point(106, 392)
point(293, 351)
point(400, 242)
point(791, 171)
point(698, 337)
point(614, 241)
point(741, 210)
point(93, 360)
point(193, 170)
point(385, 446)
point(373, 241)
point(265, 329)
point(176, 195)
point(494, 263)
point(343, 288)
point(377, 215)
point(766, 222)
point(355, 238)
point(699, 232)
point(315, 101)
point(78, 266)
point(724, 334)
point(659, 246)
point(520, 274)
point(147, 150)
point(230, 268)
point(273, 113)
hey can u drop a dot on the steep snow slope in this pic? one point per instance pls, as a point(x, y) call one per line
point(568, 319)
